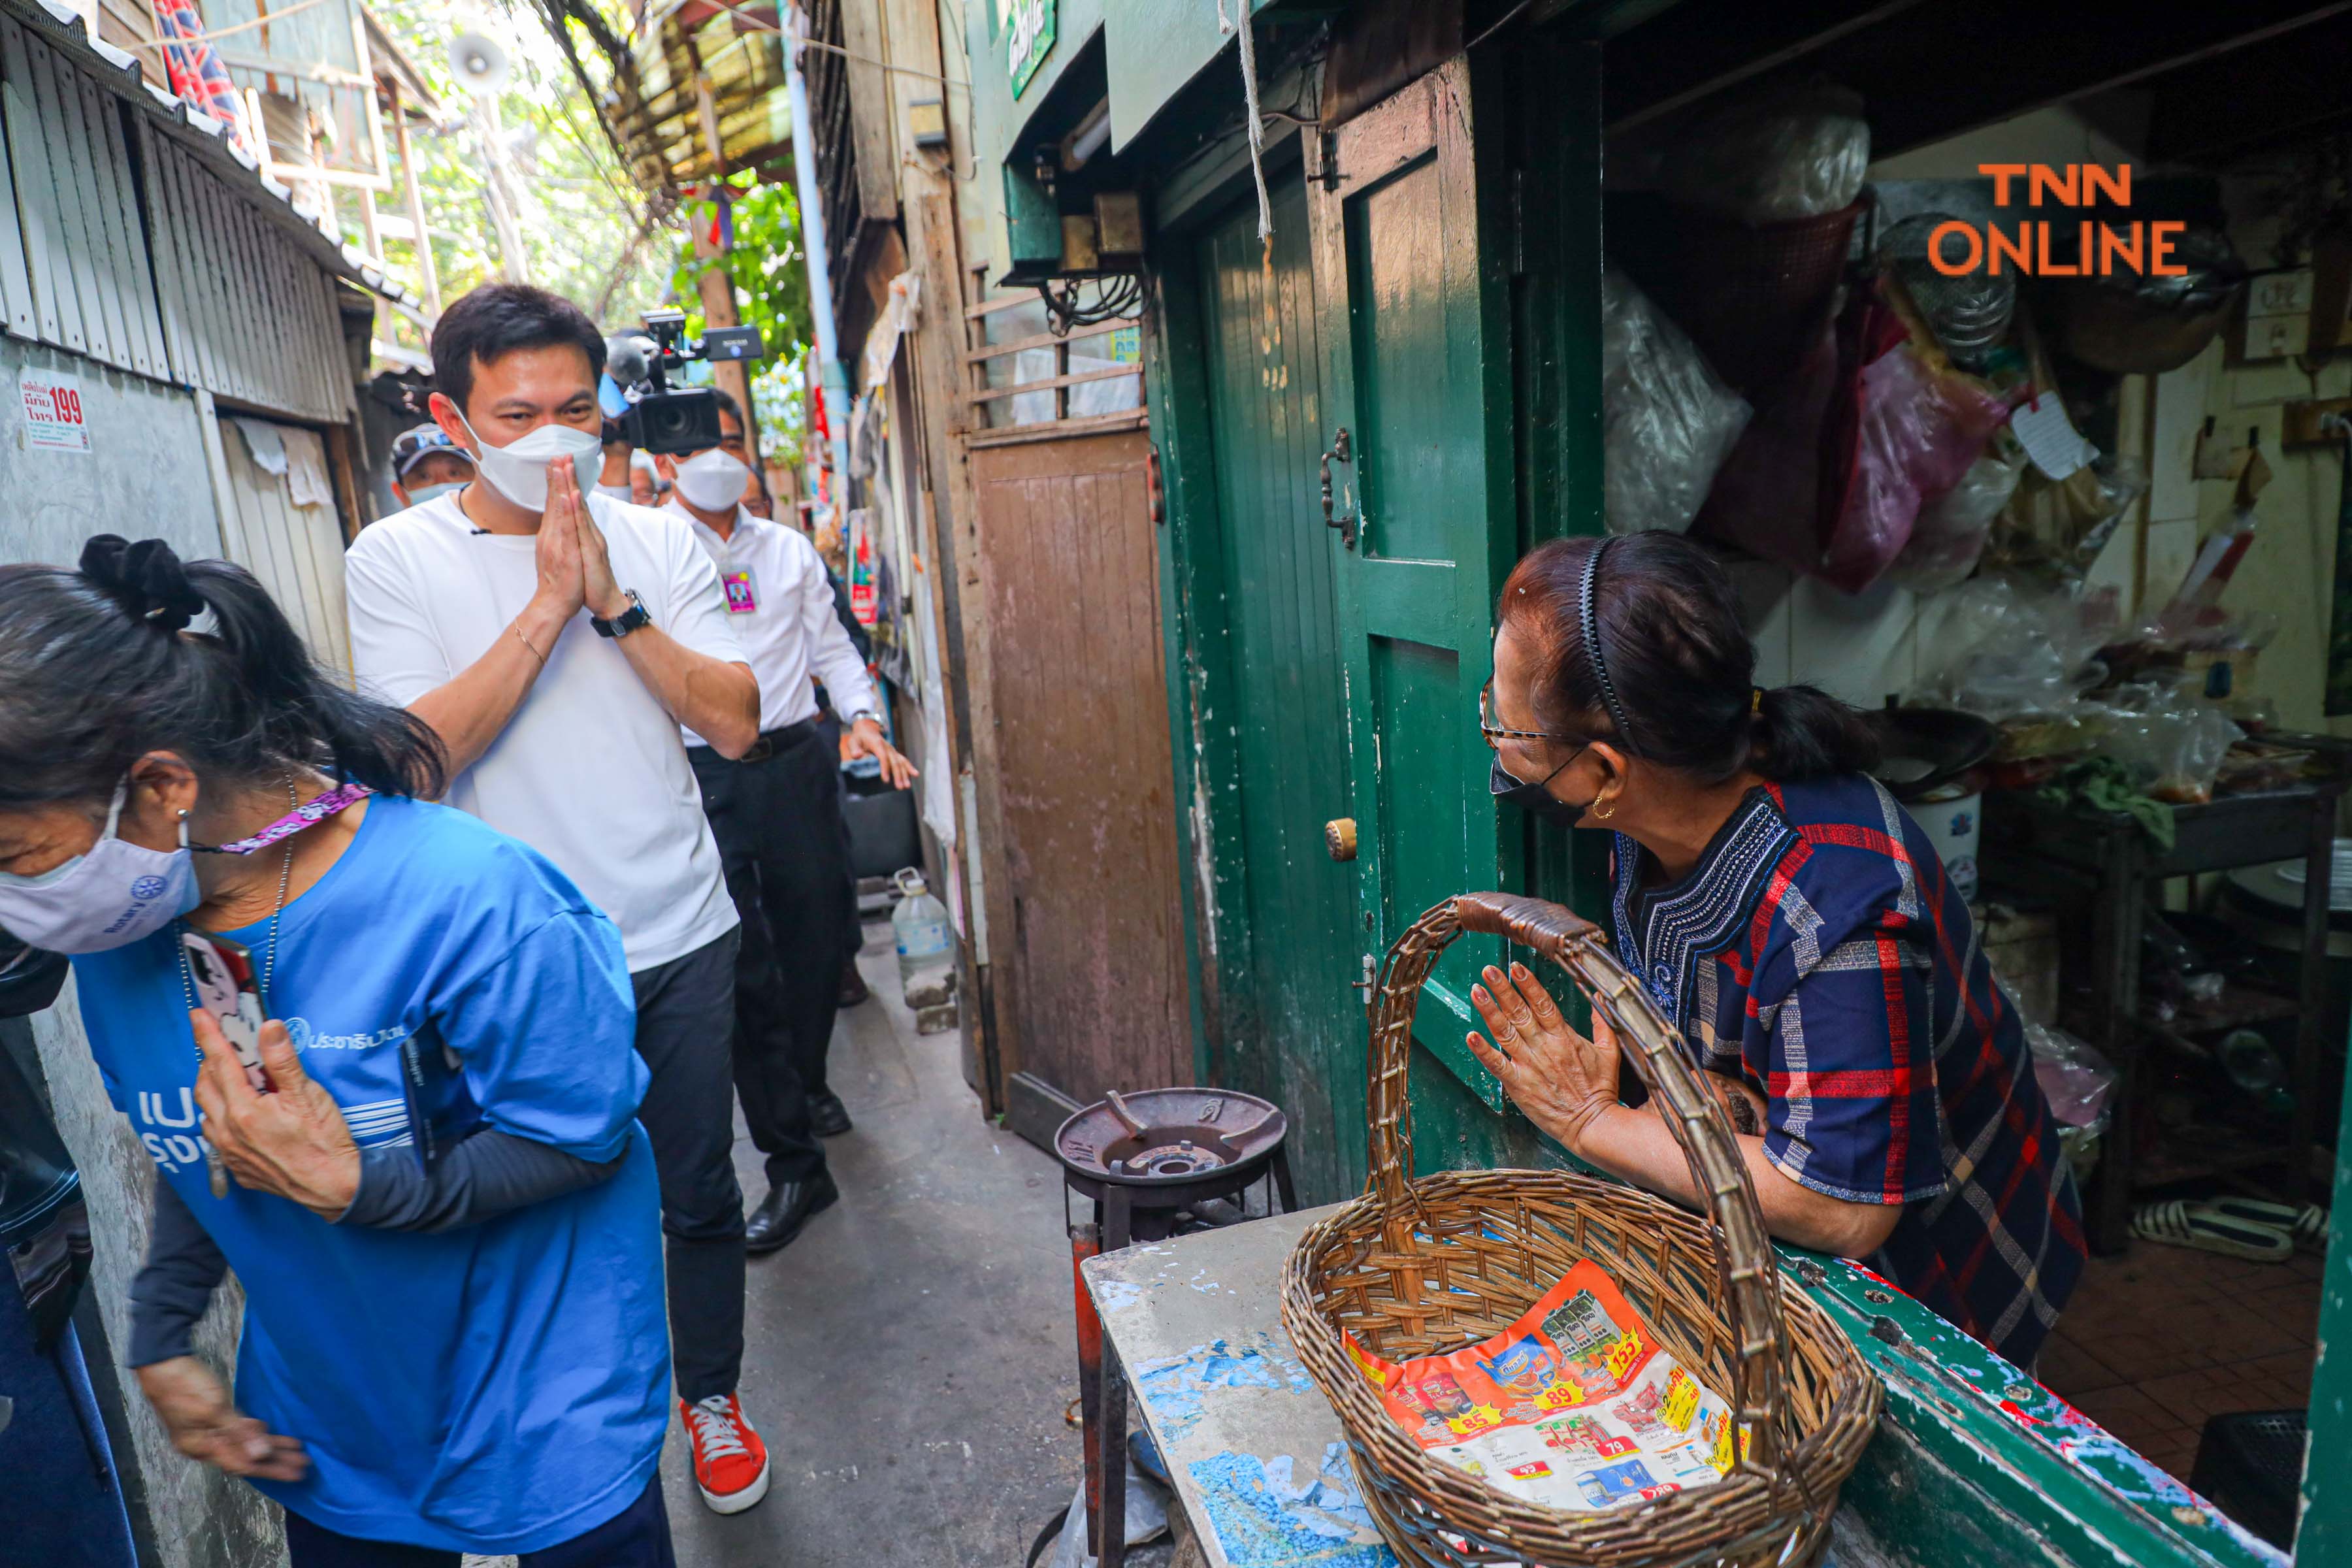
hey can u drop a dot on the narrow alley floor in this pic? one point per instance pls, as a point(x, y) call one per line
point(909, 1356)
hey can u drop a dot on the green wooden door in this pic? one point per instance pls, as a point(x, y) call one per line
point(1412, 344)
point(1293, 1029)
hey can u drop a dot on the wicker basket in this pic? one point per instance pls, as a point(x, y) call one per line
point(1421, 1267)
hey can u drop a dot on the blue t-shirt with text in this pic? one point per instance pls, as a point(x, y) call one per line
point(496, 1388)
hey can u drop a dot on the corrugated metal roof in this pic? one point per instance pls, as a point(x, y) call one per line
point(64, 29)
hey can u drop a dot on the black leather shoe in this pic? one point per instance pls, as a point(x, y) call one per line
point(785, 1209)
point(827, 1116)
point(854, 989)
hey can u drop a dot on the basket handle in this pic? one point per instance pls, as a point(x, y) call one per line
point(1745, 1272)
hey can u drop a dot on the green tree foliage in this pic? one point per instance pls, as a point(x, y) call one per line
point(579, 213)
point(771, 277)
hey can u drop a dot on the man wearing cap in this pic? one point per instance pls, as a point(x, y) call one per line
point(776, 812)
point(425, 463)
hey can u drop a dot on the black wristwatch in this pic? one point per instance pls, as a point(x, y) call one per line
point(627, 621)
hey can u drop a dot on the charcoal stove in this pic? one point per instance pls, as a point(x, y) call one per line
point(1153, 1164)
point(1166, 1161)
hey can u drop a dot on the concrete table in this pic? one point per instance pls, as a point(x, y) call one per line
point(1251, 1443)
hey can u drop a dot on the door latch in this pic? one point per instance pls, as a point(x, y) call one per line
point(1371, 979)
point(1345, 523)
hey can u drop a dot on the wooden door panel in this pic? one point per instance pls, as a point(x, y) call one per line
point(1088, 791)
point(1293, 1027)
point(1406, 324)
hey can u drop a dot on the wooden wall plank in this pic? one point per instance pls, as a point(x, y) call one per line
point(58, 321)
point(163, 255)
point(203, 270)
point(1088, 815)
point(216, 254)
point(16, 313)
point(81, 256)
point(114, 213)
point(141, 309)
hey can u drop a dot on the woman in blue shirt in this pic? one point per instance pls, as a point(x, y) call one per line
point(441, 1208)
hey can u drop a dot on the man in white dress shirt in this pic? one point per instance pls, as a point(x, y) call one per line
point(777, 813)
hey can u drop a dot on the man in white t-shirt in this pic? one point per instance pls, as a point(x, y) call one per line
point(556, 639)
point(777, 812)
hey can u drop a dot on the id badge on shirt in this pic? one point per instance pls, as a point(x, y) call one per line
point(742, 594)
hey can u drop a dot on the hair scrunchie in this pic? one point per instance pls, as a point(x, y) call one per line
point(146, 579)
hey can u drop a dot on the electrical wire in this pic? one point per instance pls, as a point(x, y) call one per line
point(1504, 20)
point(1112, 303)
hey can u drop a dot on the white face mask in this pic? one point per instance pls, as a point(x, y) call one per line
point(517, 470)
point(713, 480)
point(419, 497)
point(110, 896)
point(618, 492)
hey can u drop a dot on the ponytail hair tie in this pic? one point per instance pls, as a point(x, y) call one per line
point(1755, 700)
point(146, 579)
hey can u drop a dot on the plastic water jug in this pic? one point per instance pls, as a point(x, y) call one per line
point(926, 942)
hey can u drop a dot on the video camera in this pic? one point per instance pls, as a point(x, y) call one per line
point(661, 417)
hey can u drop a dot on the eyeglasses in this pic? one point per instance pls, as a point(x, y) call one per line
point(1496, 732)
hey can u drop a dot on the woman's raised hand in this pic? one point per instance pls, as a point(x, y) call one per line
point(292, 1141)
point(1560, 1080)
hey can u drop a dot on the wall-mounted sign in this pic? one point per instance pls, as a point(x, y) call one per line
point(1028, 40)
point(53, 413)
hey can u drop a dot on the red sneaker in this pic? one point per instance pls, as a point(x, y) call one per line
point(730, 1463)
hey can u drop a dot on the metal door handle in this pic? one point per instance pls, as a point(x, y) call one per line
point(1346, 525)
point(1371, 979)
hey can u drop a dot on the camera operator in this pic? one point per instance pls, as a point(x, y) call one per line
point(557, 639)
point(614, 481)
point(777, 812)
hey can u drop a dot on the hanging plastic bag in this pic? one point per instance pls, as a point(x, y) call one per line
point(1918, 430)
point(1950, 532)
point(2076, 1079)
point(1794, 154)
point(1668, 420)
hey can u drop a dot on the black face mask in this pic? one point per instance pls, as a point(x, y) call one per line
point(1535, 798)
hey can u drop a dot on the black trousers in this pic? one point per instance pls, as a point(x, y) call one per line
point(778, 821)
point(636, 1537)
point(685, 1011)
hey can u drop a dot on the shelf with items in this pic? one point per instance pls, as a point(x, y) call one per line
point(2106, 865)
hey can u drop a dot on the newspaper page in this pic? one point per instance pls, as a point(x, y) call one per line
point(1576, 1405)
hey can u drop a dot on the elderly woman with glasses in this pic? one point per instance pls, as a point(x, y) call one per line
point(1796, 926)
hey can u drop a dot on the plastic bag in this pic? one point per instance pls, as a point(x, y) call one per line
point(2005, 653)
point(1791, 154)
point(2076, 1079)
point(1668, 420)
point(1919, 430)
point(1951, 529)
point(2172, 741)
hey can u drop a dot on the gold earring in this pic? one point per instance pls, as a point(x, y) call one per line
point(1601, 816)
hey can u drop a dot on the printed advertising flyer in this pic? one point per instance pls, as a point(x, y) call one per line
point(1576, 1405)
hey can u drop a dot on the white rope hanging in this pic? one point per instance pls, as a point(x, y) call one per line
point(1256, 120)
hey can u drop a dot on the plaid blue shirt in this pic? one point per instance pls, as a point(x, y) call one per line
point(1819, 953)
